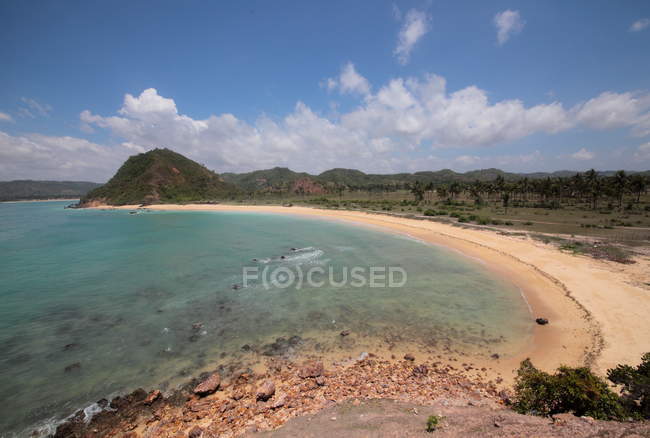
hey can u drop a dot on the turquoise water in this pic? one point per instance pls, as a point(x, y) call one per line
point(113, 297)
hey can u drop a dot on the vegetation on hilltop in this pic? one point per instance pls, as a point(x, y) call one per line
point(20, 190)
point(161, 176)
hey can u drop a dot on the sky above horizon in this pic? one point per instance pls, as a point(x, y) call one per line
point(380, 86)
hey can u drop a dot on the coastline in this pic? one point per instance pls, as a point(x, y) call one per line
point(597, 315)
point(583, 330)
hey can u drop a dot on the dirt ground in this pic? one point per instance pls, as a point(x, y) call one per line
point(388, 418)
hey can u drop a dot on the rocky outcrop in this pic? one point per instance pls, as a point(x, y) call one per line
point(209, 385)
point(311, 369)
point(266, 390)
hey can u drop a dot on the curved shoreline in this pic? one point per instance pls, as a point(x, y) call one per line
point(597, 315)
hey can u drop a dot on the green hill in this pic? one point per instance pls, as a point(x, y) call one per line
point(278, 178)
point(21, 190)
point(160, 176)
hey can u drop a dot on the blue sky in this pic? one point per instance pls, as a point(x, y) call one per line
point(380, 86)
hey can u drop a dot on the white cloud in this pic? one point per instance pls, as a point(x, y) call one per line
point(388, 131)
point(416, 25)
point(467, 160)
point(32, 108)
point(639, 25)
point(4, 117)
point(508, 23)
point(582, 155)
point(44, 157)
point(643, 152)
point(613, 110)
point(349, 81)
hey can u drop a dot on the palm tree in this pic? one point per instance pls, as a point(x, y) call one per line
point(593, 187)
point(619, 183)
point(417, 189)
point(638, 185)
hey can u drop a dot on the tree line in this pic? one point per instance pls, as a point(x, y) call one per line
point(589, 188)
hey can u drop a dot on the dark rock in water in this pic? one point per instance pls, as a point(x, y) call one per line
point(294, 249)
point(197, 326)
point(541, 321)
point(345, 333)
point(254, 260)
point(246, 347)
point(311, 369)
point(283, 257)
point(266, 390)
point(71, 346)
point(72, 367)
point(277, 348)
point(102, 403)
point(195, 432)
point(124, 410)
point(194, 338)
point(236, 287)
point(121, 402)
point(409, 356)
point(209, 385)
point(295, 340)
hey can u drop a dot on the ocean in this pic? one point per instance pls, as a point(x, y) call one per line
point(97, 303)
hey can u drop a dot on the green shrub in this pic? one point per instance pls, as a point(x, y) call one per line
point(430, 212)
point(575, 390)
point(432, 422)
point(635, 386)
point(528, 223)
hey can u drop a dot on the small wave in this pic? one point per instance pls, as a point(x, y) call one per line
point(303, 256)
point(91, 411)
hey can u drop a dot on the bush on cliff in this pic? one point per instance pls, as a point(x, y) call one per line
point(635, 386)
point(575, 390)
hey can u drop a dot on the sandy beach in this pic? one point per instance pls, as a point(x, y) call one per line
point(597, 309)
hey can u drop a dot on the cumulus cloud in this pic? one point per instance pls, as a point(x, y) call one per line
point(388, 131)
point(403, 115)
point(32, 108)
point(508, 23)
point(582, 155)
point(4, 117)
point(349, 81)
point(415, 26)
point(639, 25)
point(47, 157)
point(617, 110)
point(643, 152)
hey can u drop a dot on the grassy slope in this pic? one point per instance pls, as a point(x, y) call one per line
point(161, 176)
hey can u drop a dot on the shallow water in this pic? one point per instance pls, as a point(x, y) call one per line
point(113, 297)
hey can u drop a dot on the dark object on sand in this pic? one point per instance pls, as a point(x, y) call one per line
point(541, 321)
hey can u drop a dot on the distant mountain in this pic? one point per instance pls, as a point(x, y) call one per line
point(278, 178)
point(282, 179)
point(27, 189)
point(160, 176)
